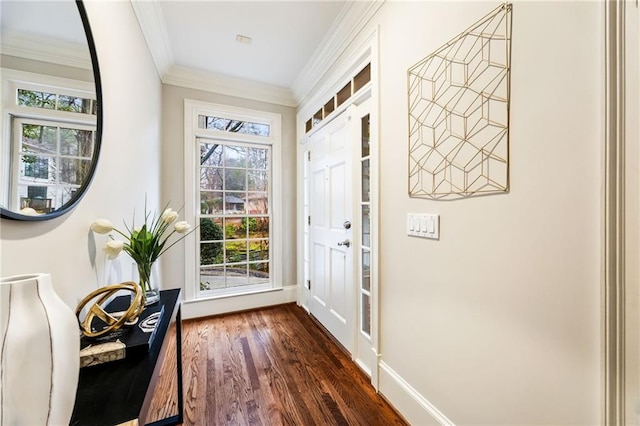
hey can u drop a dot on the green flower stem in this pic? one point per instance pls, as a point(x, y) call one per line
point(144, 271)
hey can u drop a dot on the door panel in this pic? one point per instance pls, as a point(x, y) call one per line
point(333, 285)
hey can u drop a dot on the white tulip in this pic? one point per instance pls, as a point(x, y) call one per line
point(169, 216)
point(102, 226)
point(113, 248)
point(181, 227)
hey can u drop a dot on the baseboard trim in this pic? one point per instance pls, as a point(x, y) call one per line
point(414, 407)
point(207, 307)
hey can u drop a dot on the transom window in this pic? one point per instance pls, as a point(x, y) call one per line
point(233, 126)
point(56, 101)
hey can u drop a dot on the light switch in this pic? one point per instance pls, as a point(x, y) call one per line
point(423, 225)
point(430, 227)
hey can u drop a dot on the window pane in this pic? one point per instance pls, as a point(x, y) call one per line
point(76, 142)
point(258, 227)
point(366, 270)
point(235, 156)
point(210, 154)
point(65, 193)
point(211, 254)
point(211, 230)
point(366, 314)
point(259, 273)
point(235, 179)
point(258, 203)
point(211, 202)
point(234, 202)
point(365, 181)
point(36, 166)
point(211, 277)
point(211, 178)
point(366, 227)
point(258, 250)
point(233, 126)
point(74, 171)
point(41, 139)
point(257, 159)
point(236, 251)
point(365, 135)
point(257, 181)
point(237, 275)
point(235, 228)
point(30, 98)
point(39, 168)
point(74, 104)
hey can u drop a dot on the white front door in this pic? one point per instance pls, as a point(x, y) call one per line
point(331, 246)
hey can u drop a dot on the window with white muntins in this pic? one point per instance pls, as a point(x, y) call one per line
point(233, 161)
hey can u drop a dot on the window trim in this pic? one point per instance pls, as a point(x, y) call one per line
point(194, 108)
point(12, 80)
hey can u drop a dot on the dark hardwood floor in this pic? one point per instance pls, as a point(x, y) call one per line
point(274, 366)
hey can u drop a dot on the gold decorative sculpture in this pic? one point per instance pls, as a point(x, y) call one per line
point(459, 113)
point(112, 321)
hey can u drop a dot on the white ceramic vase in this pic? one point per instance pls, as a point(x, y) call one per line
point(40, 353)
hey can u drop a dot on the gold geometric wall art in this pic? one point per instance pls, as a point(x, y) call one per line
point(459, 113)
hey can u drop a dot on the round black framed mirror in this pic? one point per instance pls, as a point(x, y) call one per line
point(51, 118)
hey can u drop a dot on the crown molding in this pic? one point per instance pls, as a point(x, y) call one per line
point(352, 19)
point(46, 50)
point(151, 21)
point(227, 85)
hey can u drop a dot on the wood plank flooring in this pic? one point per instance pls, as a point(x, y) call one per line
point(274, 366)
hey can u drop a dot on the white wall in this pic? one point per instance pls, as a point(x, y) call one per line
point(127, 169)
point(173, 171)
point(498, 322)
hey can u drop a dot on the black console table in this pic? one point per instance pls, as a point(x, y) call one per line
point(120, 392)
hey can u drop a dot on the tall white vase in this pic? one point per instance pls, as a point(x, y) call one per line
point(39, 349)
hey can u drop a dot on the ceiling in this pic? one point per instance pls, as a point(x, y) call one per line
point(193, 42)
point(294, 43)
point(284, 35)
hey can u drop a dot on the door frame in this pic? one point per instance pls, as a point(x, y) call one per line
point(365, 52)
point(621, 194)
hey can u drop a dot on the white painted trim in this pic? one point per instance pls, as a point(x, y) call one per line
point(365, 52)
point(192, 109)
point(342, 73)
point(613, 232)
point(351, 20)
point(10, 81)
point(206, 307)
point(632, 213)
point(154, 30)
point(415, 408)
point(227, 85)
point(46, 49)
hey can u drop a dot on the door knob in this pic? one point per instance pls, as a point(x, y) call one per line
point(345, 243)
point(346, 224)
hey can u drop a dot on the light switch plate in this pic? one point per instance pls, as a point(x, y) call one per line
point(423, 225)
